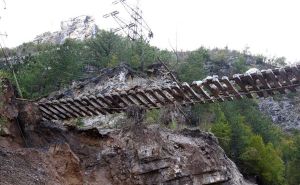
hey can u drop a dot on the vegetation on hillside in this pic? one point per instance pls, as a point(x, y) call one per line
point(259, 148)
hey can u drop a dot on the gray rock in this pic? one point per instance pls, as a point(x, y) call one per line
point(149, 155)
point(80, 28)
point(284, 111)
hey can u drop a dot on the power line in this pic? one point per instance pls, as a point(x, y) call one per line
point(136, 26)
point(6, 59)
point(12, 70)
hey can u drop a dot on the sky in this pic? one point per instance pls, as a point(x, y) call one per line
point(269, 27)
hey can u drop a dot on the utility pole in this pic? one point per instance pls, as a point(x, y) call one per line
point(136, 28)
point(2, 45)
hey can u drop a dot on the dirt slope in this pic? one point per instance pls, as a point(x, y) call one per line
point(136, 154)
point(39, 152)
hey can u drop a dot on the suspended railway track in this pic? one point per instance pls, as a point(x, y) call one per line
point(212, 89)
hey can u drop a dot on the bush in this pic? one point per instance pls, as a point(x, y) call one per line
point(3, 122)
point(263, 160)
point(152, 116)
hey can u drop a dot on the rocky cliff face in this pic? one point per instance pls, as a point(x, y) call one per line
point(284, 111)
point(82, 27)
point(223, 62)
point(117, 79)
point(132, 155)
point(42, 152)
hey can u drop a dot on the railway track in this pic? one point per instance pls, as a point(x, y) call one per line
point(212, 89)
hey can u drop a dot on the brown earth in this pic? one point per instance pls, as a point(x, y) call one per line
point(39, 152)
point(132, 155)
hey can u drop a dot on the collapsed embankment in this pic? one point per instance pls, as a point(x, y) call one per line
point(43, 152)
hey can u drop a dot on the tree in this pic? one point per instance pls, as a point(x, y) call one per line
point(193, 68)
point(222, 130)
point(293, 167)
point(103, 48)
point(240, 65)
point(263, 160)
point(51, 69)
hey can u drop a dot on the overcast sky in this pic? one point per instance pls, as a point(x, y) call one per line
point(269, 27)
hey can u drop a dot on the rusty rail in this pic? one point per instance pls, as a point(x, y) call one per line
point(212, 89)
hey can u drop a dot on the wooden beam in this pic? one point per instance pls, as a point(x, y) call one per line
point(272, 78)
point(239, 82)
point(139, 100)
point(265, 85)
point(212, 88)
point(153, 94)
point(162, 94)
point(93, 104)
point(218, 84)
point(143, 94)
point(232, 90)
point(188, 89)
point(247, 79)
point(198, 87)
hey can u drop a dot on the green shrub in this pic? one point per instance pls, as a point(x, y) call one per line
point(152, 116)
point(3, 122)
point(263, 159)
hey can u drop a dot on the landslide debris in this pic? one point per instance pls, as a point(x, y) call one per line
point(33, 151)
point(135, 154)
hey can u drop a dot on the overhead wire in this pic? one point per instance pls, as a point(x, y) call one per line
point(127, 6)
point(12, 70)
point(17, 83)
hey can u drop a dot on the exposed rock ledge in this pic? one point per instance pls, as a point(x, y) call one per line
point(36, 152)
point(284, 111)
point(133, 155)
point(80, 28)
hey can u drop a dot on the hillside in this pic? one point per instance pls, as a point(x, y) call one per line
point(130, 151)
point(260, 136)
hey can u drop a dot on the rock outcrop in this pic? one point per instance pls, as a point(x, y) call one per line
point(81, 28)
point(44, 152)
point(135, 154)
point(284, 111)
point(115, 79)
